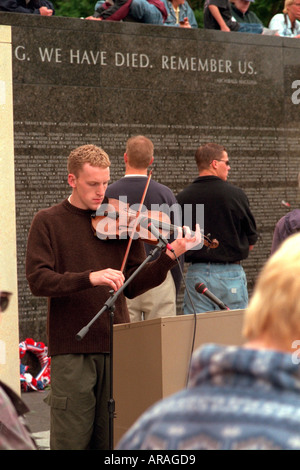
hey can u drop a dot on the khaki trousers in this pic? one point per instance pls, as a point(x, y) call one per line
point(79, 396)
point(155, 303)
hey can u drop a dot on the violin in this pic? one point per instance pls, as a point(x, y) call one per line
point(115, 220)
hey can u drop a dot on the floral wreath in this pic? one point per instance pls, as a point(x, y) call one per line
point(42, 379)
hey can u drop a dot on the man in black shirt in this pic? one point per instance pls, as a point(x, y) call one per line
point(228, 218)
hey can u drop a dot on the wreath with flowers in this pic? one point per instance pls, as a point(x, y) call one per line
point(41, 379)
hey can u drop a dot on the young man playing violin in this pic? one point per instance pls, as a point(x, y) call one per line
point(76, 270)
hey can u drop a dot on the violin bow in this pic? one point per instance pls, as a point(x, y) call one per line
point(136, 221)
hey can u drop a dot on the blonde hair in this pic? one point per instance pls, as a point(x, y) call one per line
point(287, 3)
point(91, 154)
point(274, 309)
point(139, 150)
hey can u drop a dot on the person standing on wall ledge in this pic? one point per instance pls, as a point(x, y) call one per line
point(228, 218)
point(36, 7)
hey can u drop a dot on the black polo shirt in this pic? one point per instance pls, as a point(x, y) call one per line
point(227, 217)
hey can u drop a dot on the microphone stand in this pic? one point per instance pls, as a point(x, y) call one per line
point(110, 306)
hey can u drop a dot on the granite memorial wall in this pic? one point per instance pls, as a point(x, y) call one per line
point(77, 81)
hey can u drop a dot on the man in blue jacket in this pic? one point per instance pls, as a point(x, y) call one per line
point(180, 14)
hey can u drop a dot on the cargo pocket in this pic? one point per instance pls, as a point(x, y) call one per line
point(59, 403)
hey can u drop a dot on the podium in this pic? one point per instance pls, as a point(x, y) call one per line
point(152, 357)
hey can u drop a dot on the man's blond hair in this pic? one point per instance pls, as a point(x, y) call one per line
point(91, 154)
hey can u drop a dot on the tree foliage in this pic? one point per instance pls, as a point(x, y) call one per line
point(264, 9)
point(74, 8)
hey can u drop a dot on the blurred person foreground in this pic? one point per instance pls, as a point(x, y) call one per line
point(240, 397)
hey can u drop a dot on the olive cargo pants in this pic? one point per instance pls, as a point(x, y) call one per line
point(79, 418)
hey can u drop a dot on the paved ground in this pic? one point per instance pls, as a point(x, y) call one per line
point(38, 419)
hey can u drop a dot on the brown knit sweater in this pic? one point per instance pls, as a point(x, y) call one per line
point(62, 250)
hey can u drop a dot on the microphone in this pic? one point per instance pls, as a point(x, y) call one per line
point(149, 226)
point(202, 289)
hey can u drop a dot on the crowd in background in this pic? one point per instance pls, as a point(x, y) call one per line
point(224, 15)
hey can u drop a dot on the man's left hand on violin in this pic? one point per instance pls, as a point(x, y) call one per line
point(186, 240)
